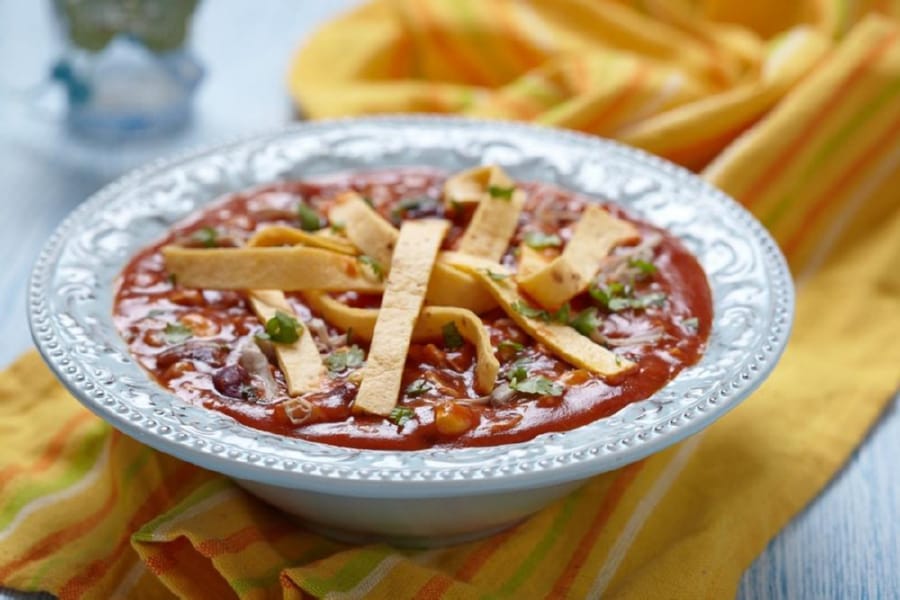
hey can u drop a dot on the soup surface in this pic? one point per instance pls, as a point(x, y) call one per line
point(650, 304)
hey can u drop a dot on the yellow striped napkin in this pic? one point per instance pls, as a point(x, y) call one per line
point(792, 107)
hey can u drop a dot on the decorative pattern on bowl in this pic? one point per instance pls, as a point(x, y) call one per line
point(71, 296)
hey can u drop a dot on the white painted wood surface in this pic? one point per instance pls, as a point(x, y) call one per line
point(845, 545)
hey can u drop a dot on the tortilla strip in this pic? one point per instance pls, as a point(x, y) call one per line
point(428, 327)
point(467, 187)
point(530, 261)
point(364, 227)
point(563, 340)
point(569, 274)
point(282, 235)
point(404, 294)
point(300, 362)
point(288, 269)
point(492, 226)
point(376, 237)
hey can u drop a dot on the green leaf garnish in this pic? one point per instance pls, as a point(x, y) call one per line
point(309, 218)
point(418, 387)
point(538, 385)
point(503, 193)
point(511, 346)
point(338, 227)
point(540, 240)
point(401, 414)
point(452, 337)
point(616, 297)
point(645, 267)
point(283, 328)
point(373, 265)
point(586, 322)
point(495, 276)
point(692, 324)
point(529, 311)
point(562, 315)
point(207, 236)
point(177, 333)
point(171, 279)
point(517, 372)
point(348, 358)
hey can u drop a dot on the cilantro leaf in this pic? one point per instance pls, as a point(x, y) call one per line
point(176, 333)
point(692, 324)
point(207, 236)
point(283, 328)
point(586, 322)
point(452, 337)
point(495, 276)
point(510, 346)
point(562, 315)
point(540, 240)
point(529, 311)
point(503, 193)
point(348, 358)
point(538, 385)
point(401, 414)
point(375, 266)
point(646, 268)
point(517, 373)
point(418, 387)
point(309, 218)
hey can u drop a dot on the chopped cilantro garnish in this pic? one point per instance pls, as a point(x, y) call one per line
point(177, 333)
point(539, 240)
point(645, 267)
point(348, 358)
point(420, 203)
point(309, 218)
point(529, 311)
point(692, 324)
point(455, 206)
point(586, 322)
point(283, 328)
point(452, 337)
point(338, 227)
point(616, 297)
point(373, 265)
point(538, 385)
point(495, 276)
point(155, 312)
point(562, 315)
point(207, 236)
point(509, 345)
point(171, 278)
point(517, 372)
point(368, 200)
point(503, 193)
point(418, 387)
point(401, 414)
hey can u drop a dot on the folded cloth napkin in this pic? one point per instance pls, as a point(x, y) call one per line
point(794, 108)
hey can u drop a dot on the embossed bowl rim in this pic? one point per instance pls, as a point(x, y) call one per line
point(71, 323)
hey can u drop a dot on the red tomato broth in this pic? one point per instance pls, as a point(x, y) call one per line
point(147, 301)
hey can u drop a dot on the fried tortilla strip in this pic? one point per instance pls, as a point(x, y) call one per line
point(468, 187)
point(300, 362)
point(530, 261)
point(404, 294)
point(569, 274)
point(429, 326)
point(364, 227)
point(376, 237)
point(563, 340)
point(282, 235)
point(286, 269)
point(493, 223)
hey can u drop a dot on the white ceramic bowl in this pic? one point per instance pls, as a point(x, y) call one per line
point(427, 497)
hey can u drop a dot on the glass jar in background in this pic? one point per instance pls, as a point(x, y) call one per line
point(126, 66)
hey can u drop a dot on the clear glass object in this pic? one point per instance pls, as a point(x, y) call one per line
point(126, 66)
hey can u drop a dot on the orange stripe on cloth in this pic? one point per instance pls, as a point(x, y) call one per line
point(52, 451)
point(482, 554)
point(834, 195)
point(53, 541)
point(814, 123)
point(242, 539)
point(94, 572)
point(506, 17)
point(435, 587)
point(621, 99)
point(582, 551)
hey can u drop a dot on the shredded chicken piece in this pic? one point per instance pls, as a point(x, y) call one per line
point(502, 395)
point(325, 342)
point(256, 363)
point(649, 337)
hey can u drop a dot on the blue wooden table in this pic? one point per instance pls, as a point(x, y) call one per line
point(846, 544)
